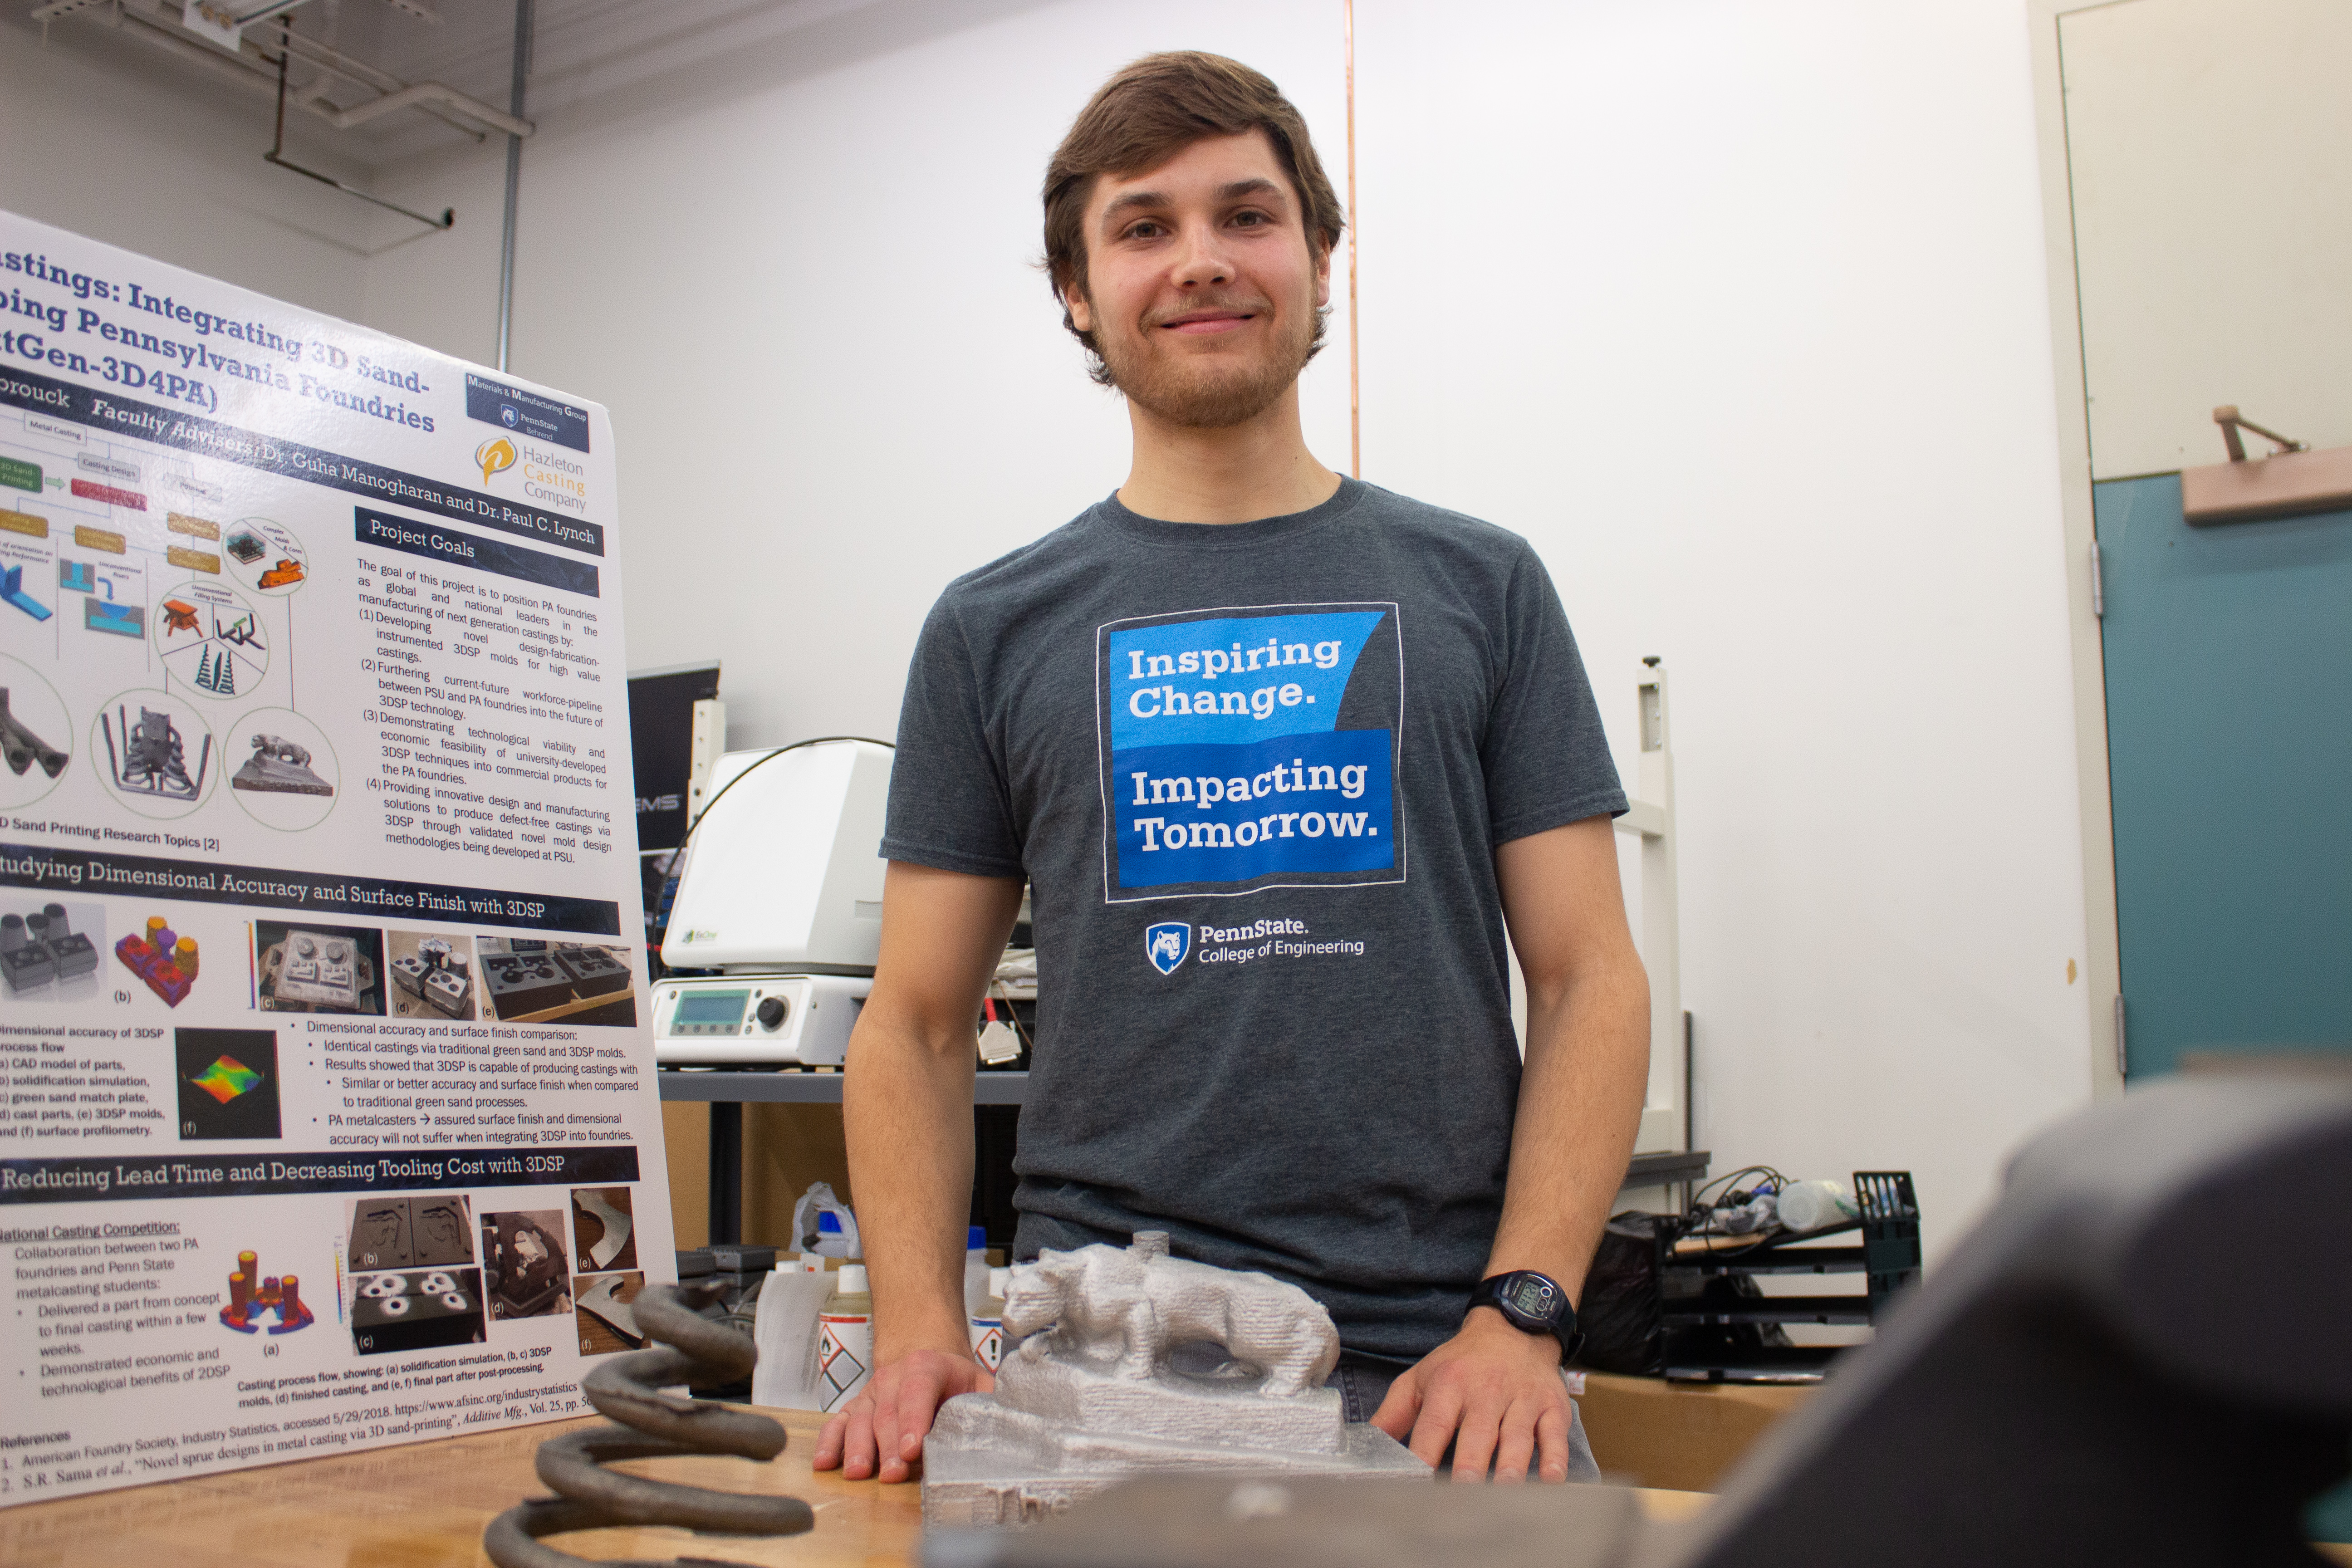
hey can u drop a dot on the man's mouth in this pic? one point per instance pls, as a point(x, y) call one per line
point(1204, 322)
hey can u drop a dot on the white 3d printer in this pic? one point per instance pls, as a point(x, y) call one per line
point(781, 893)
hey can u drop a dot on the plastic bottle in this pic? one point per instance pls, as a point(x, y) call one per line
point(975, 1269)
point(988, 1320)
point(845, 1329)
point(1809, 1206)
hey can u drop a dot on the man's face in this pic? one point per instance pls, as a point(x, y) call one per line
point(1201, 284)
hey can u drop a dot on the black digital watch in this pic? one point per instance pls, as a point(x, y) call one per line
point(1533, 1303)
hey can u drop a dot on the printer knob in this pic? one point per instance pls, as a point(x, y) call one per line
point(771, 1011)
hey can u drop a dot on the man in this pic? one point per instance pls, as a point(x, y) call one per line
point(1279, 754)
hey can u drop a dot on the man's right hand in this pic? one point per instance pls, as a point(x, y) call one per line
point(881, 1431)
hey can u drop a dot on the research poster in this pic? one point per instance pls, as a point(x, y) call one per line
point(332, 1119)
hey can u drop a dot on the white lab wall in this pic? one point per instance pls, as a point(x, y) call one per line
point(105, 136)
point(2212, 223)
point(805, 282)
point(1735, 310)
point(1738, 312)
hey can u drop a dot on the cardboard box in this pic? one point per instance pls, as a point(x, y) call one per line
point(1680, 1435)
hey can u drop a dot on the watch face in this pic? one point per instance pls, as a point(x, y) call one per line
point(1531, 1294)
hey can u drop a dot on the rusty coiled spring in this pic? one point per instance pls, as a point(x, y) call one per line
point(650, 1423)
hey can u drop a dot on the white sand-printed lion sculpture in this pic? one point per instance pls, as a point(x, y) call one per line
point(1138, 1301)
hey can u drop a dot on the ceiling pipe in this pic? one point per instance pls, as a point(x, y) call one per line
point(522, 43)
point(162, 28)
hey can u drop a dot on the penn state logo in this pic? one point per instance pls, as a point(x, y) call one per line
point(1167, 944)
point(507, 415)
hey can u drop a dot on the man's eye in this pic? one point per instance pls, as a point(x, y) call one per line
point(1145, 230)
point(1252, 219)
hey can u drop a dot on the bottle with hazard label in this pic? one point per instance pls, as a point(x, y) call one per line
point(844, 1334)
point(988, 1321)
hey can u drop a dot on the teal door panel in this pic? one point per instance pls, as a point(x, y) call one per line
point(2228, 674)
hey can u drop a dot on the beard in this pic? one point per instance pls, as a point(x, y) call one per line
point(1209, 391)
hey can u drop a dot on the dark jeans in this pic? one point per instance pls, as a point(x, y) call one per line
point(1363, 1382)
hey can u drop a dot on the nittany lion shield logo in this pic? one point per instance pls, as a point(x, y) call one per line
point(1167, 944)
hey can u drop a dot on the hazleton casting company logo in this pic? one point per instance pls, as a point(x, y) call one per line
point(1166, 945)
point(494, 456)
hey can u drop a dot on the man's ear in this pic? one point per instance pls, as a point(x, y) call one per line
point(1082, 314)
point(1323, 278)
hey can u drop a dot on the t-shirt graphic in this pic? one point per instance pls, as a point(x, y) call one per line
point(1250, 747)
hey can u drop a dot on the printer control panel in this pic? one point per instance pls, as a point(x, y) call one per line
point(746, 1020)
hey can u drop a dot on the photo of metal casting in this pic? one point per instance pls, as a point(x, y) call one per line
point(592, 971)
point(21, 748)
point(39, 945)
point(122, 620)
point(34, 732)
point(319, 969)
point(430, 1230)
point(523, 1264)
point(253, 1295)
point(686, 1348)
point(150, 758)
point(607, 1320)
point(601, 1224)
point(432, 976)
point(532, 981)
point(285, 575)
point(162, 958)
point(280, 767)
point(380, 1235)
point(418, 1311)
point(521, 983)
point(12, 588)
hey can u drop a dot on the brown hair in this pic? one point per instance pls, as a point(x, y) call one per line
point(1145, 115)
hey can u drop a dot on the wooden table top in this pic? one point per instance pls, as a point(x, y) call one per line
point(425, 1506)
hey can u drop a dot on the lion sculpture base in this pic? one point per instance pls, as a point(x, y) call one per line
point(1129, 1361)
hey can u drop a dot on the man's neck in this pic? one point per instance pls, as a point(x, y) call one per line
point(1238, 474)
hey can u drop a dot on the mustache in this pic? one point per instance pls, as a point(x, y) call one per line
point(1237, 304)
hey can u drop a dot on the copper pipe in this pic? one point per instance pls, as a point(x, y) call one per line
point(1355, 398)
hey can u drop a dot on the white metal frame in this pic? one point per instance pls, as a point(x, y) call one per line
point(1650, 819)
point(2102, 964)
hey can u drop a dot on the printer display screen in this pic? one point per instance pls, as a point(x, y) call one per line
point(708, 1012)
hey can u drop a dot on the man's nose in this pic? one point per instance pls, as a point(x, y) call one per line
point(1203, 259)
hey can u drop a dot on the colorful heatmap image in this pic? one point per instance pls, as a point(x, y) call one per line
point(226, 1078)
point(228, 1082)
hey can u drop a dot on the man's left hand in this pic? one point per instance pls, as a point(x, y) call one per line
point(1492, 1390)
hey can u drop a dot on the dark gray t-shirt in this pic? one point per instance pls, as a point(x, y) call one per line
point(1255, 774)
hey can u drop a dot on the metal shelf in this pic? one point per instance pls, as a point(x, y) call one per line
point(1790, 1261)
point(1778, 1309)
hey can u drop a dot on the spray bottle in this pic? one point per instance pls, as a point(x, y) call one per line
point(845, 1339)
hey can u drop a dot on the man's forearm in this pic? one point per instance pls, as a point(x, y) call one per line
point(1580, 1109)
point(906, 1109)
